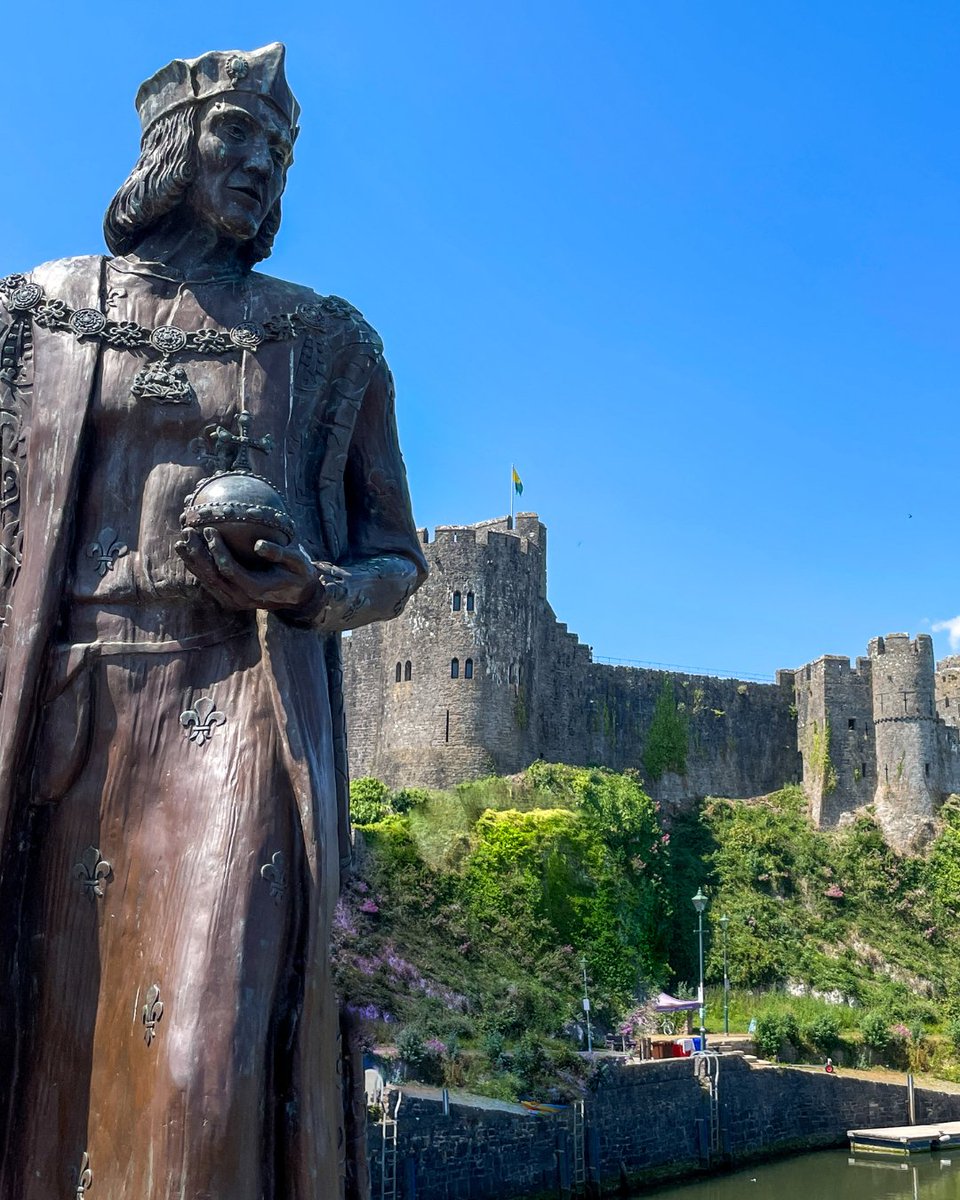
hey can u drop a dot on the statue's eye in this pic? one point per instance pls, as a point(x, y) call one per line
point(234, 131)
point(279, 156)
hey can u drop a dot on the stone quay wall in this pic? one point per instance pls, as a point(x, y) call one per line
point(643, 1123)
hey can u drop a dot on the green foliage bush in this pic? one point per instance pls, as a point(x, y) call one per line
point(875, 1028)
point(588, 876)
point(823, 1032)
point(530, 1059)
point(406, 798)
point(369, 800)
point(473, 906)
point(412, 1052)
point(776, 1029)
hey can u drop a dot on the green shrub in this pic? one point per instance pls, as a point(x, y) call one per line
point(369, 800)
point(822, 1032)
point(530, 1058)
point(494, 1047)
point(412, 1052)
point(407, 798)
point(774, 1029)
point(875, 1028)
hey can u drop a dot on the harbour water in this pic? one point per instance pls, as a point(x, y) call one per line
point(829, 1175)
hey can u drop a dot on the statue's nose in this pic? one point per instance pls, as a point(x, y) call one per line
point(260, 161)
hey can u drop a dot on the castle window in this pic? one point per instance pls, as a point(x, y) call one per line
point(408, 670)
point(399, 672)
point(454, 668)
point(863, 770)
point(446, 732)
point(468, 669)
point(469, 601)
point(946, 702)
point(926, 769)
point(886, 773)
point(851, 722)
point(456, 601)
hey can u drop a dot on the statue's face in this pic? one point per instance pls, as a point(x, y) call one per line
point(243, 150)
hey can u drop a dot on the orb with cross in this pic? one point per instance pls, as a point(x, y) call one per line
point(241, 505)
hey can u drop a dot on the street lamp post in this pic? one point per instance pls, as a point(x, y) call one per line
point(700, 903)
point(724, 922)
point(586, 1005)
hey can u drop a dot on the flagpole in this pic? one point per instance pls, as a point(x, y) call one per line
point(512, 490)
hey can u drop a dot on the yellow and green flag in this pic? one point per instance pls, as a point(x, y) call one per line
point(517, 482)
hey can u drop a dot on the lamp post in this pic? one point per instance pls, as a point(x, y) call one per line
point(700, 903)
point(724, 922)
point(586, 1004)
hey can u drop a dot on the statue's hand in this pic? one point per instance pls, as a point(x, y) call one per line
point(290, 581)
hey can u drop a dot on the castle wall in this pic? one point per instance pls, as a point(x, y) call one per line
point(536, 691)
point(741, 737)
point(885, 730)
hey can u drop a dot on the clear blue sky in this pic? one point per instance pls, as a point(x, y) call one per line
point(691, 266)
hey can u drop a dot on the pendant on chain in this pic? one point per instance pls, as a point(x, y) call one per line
point(164, 381)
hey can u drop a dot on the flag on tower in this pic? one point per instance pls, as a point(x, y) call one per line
point(517, 482)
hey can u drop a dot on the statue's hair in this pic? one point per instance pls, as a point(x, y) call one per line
point(159, 182)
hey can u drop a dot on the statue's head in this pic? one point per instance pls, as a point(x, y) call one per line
point(218, 134)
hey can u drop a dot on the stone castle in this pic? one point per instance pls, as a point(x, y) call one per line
point(478, 676)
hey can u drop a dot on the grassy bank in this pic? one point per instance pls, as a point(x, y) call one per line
point(460, 939)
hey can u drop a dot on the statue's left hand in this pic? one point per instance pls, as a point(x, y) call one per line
point(288, 580)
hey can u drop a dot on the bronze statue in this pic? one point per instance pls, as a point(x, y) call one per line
point(202, 487)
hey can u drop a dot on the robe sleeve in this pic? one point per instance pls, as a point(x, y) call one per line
point(14, 388)
point(383, 563)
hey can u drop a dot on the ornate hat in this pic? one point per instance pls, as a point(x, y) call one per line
point(217, 73)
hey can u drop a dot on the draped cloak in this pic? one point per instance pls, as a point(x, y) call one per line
point(347, 493)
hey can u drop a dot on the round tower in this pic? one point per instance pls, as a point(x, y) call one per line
point(948, 690)
point(441, 693)
point(909, 785)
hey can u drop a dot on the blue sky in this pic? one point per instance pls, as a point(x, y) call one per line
point(691, 266)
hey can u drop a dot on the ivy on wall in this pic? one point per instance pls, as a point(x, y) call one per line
point(824, 772)
point(666, 748)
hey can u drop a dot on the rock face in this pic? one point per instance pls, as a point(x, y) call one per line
point(479, 676)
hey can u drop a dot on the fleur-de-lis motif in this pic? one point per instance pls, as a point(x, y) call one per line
point(152, 1012)
point(106, 550)
point(201, 720)
point(83, 1177)
point(92, 870)
point(275, 873)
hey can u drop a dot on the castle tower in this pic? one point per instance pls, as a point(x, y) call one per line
point(440, 694)
point(948, 690)
point(908, 741)
point(835, 734)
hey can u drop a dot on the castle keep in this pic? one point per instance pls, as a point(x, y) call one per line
point(478, 676)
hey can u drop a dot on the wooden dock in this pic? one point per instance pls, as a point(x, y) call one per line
point(906, 1139)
